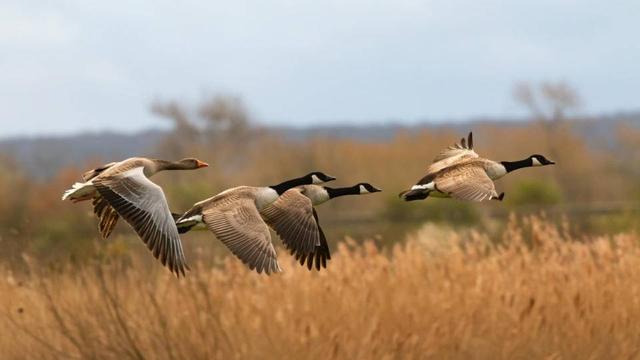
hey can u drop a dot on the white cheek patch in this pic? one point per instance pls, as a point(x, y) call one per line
point(363, 190)
point(429, 186)
point(535, 162)
point(315, 179)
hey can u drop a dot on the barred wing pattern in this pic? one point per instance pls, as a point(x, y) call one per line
point(320, 255)
point(292, 218)
point(142, 204)
point(466, 182)
point(235, 220)
point(107, 216)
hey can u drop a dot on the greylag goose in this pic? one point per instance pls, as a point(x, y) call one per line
point(124, 189)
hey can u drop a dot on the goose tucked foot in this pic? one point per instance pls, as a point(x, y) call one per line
point(416, 194)
point(499, 198)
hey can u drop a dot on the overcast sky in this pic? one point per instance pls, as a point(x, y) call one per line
point(69, 66)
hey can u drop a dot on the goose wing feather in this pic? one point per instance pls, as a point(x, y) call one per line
point(142, 204)
point(466, 182)
point(320, 255)
point(453, 155)
point(235, 220)
point(107, 216)
point(291, 217)
point(88, 175)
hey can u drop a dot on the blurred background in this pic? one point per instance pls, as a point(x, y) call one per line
point(365, 91)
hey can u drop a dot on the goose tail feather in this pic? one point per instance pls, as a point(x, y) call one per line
point(79, 192)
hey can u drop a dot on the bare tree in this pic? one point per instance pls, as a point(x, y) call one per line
point(185, 132)
point(549, 102)
point(217, 123)
point(225, 115)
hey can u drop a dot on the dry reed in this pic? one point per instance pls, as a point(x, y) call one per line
point(533, 293)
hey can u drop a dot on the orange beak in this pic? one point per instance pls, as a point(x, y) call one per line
point(201, 164)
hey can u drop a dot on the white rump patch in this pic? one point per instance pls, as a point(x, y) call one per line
point(78, 190)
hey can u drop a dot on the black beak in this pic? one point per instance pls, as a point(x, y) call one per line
point(329, 178)
point(375, 190)
point(551, 162)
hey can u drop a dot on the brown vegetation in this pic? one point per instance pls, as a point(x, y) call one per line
point(493, 288)
point(35, 221)
point(534, 292)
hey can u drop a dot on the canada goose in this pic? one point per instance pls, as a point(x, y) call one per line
point(234, 217)
point(124, 189)
point(294, 218)
point(459, 172)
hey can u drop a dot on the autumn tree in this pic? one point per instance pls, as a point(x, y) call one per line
point(552, 105)
point(217, 121)
point(184, 133)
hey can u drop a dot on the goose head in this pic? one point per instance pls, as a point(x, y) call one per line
point(539, 160)
point(318, 177)
point(193, 163)
point(184, 164)
point(314, 178)
point(357, 189)
point(366, 188)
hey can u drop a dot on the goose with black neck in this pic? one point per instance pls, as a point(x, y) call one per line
point(233, 216)
point(294, 218)
point(459, 172)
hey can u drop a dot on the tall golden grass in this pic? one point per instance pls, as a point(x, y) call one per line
point(532, 292)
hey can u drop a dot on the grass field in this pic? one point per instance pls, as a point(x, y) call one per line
point(532, 293)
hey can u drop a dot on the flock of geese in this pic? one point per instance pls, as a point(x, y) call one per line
point(240, 217)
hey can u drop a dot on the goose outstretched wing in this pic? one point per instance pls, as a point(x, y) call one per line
point(466, 182)
point(453, 155)
point(142, 204)
point(235, 220)
point(291, 217)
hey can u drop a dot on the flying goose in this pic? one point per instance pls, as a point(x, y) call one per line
point(459, 172)
point(233, 216)
point(294, 218)
point(124, 189)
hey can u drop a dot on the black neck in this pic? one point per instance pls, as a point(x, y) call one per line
point(353, 190)
point(284, 186)
point(515, 165)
